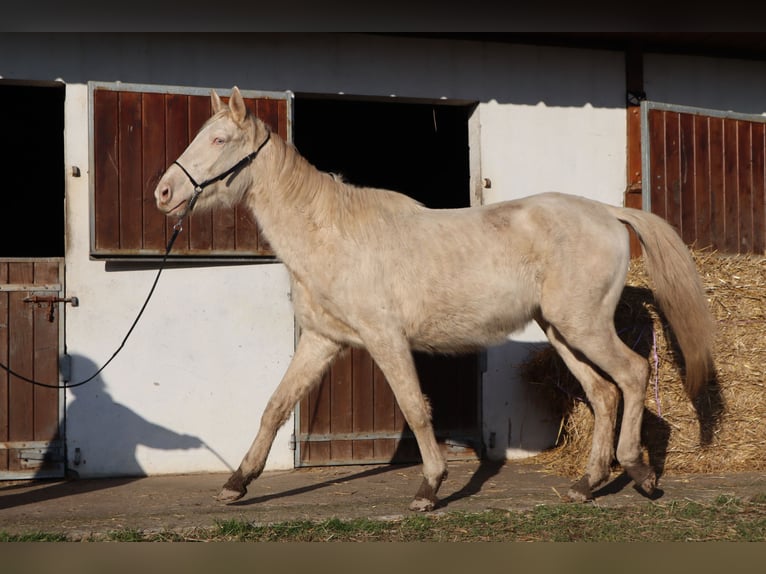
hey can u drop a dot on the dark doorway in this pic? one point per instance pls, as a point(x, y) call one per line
point(32, 164)
point(420, 149)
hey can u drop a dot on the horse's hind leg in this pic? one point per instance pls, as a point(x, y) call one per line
point(395, 360)
point(630, 372)
point(604, 399)
point(313, 355)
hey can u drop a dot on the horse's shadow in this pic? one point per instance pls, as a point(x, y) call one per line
point(485, 471)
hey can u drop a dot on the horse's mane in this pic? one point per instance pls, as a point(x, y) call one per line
point(329, 200)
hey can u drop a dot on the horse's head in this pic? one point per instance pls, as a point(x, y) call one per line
point(212, 170)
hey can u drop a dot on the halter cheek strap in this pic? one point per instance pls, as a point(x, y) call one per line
point(198, 187)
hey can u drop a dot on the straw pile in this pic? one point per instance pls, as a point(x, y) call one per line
point(726, 430)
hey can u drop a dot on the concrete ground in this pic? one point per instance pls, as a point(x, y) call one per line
point(81, 508)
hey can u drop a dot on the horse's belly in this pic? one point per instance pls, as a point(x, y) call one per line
point(453, 330)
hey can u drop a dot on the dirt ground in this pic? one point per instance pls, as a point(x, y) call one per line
point(80, 508)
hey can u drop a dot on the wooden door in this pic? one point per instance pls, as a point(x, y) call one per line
point(31, 417)
point(353, 418)
point(704, 173)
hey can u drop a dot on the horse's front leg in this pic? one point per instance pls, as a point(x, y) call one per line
point(313, 355)
point(395, 360)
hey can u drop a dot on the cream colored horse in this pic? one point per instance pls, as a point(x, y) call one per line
point(375, 269)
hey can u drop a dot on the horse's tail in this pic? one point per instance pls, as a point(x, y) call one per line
point(678, 291)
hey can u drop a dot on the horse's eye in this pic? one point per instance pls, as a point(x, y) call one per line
point(219, 141)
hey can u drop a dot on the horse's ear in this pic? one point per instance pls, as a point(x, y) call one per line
point(237, 105)
point(215, 101)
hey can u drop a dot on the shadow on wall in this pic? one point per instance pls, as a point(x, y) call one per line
point(94, 413)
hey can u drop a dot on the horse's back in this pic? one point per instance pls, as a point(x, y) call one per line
point(480, 273)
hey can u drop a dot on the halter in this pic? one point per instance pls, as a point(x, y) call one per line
point(198, 187)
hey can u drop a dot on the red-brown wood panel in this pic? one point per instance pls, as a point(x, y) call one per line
point(362, 407)
point(45, 357)
point(745, 186)
point(105, 170)
point(353, 416)
point(136, 136)
point(687, 206)
point(730, 183)
point(759, 187)
point(717, 183)
point(707, 177)
point(702, 186)
point(20, 359)
point(672, 171)
point(200, 225)
point(657, 186)
point(153, 166)
point(29, 345)
point(341, 398)
point(4, 377)
point(129, 150)
point(176, 139)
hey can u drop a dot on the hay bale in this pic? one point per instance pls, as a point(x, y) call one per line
point(725, 430)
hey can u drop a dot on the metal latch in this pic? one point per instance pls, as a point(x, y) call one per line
point(51, 301)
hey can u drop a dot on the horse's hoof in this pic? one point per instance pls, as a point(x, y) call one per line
point(580, 491)
point(422, 505)
point(648, 484)
point(227, 495)
point(577, 496)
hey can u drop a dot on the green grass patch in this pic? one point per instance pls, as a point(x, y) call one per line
point(725, 519)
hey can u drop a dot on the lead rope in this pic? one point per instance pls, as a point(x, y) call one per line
point(177, 228)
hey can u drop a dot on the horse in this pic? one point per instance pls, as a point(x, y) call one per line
point(376, 269)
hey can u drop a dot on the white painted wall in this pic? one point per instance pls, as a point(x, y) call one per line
point(208, 352)
point(705, 82)
point(185, 393)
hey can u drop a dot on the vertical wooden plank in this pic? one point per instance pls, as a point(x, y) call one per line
point(702, 191)
point(267, 110)
point(717, 184)
point(362, 403)
point(244, 230)
point(106, 169)
point(688, 184)
point(4, 377)
point(20, 359)
point(320, 419)
point(282, 119)
point(200, 224)
point(633, 193)
point(745, 187)
point(759, 188)
point(730, 191)
point(673, 170)
point(176, 140)
point(384, 415)
point(153, 161)
point(304, 421)
point(657, 189)
point(46, 403)
point(129, 150)
point(341, 398)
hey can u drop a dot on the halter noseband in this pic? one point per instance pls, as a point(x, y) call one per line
point(198, 187)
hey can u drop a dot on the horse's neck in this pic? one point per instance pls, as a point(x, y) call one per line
point(290, 200)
